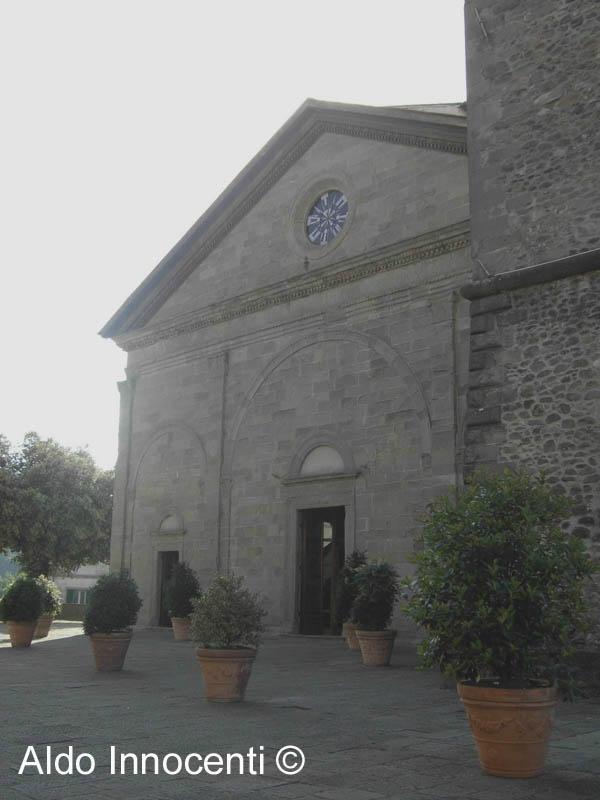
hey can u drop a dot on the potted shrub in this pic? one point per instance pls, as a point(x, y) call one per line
point(376, 587)
point(181, 588)
point(51, 606)
point(112, 610)
point(499, 593)
point(226, 623)
point(345, 594)
point(20, 607)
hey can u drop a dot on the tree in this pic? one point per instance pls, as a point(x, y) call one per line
point(55, 506)
point(7, 494)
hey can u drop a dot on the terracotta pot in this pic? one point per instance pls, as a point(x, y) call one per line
point(225, 673)
point(110, 649)
point(511, 727)
point(181, 628)
point(43, 626)
point(349, 631)
point(376, 647)
point(21, 633)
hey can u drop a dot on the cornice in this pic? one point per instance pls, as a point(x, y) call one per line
point(300, 133)
point(300, 481)
point(422, 248)
point(386, 303)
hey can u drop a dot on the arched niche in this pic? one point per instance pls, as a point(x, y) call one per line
point(171, 524)
point(322, 460)
point(321, 455)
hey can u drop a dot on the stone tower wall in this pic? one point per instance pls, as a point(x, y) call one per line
point(534, 385)
point(533, 140)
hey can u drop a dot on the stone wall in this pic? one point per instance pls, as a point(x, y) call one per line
point(213, 438)
point(362, 345)
point(534, 386)
point(533, 139)
point(534, 396)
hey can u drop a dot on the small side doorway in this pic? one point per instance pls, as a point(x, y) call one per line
point(166, 562)
point(321, 546)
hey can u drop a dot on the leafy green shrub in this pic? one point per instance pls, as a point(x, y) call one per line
point(51, 596)
point(376, 586)
point(22, 600)
point(181, 587)
point(227, 615)
point(499, 587)
point(345, 590)
point(113, 604)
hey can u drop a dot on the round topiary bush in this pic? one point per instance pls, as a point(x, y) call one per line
point(22, 600)
point(499, 583)
point(51, 596)
point(113, 605)
point(345, 587)
point(181, 588)
point(227, 616)
point(376, 588)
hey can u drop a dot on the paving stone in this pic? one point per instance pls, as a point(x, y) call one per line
point(366, 733)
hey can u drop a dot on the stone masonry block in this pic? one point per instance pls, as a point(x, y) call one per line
point(483, 359)
point(483, 323)
point(485, 341)
point(493, 303)
point(484, 416)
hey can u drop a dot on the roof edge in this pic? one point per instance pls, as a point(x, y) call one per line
point(524, 277)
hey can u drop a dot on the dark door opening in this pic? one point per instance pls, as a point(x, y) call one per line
point(166, 562)
point(321, 548)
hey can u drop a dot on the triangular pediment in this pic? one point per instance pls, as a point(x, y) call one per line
point(439, 128)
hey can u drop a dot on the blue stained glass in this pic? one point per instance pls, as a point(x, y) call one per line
point(327, 217)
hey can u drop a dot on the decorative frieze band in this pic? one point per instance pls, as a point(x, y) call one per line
point(303, 286)
point(397, 137)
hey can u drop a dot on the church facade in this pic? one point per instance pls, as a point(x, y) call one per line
point(367, 314)
point(297, 365)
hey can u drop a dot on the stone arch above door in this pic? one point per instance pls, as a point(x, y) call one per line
point(169, 511)
point(168, 481)
point(310, 446)
point(164, 430)
point(394, 359)
point(171, 523)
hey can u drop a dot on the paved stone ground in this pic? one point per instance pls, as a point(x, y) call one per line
point(367, 733)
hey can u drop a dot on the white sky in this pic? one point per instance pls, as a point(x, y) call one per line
point(121, 121)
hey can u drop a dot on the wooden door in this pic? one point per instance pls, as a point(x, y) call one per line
point(167, 561)
point(321, 558)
